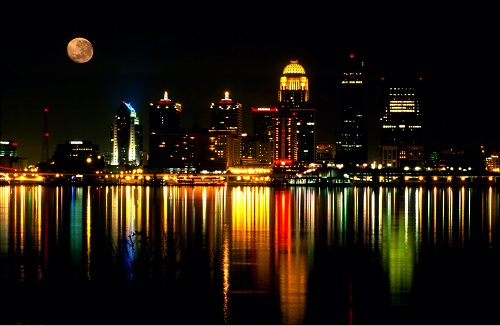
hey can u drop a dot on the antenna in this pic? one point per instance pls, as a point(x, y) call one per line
point(45, 146)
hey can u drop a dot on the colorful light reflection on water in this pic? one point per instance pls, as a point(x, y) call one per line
point(298, 255)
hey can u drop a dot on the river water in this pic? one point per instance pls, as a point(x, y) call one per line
point(249, 255)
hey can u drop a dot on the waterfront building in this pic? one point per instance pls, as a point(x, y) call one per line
point(256, 150)
point(493, 162)
point(295, 123)
point(126, 138)
point(165, 116)
point(351, 140)
point(401, 134)
point(325, 152)
point(77, 156)
point(190, 150)
point(225, 148)
point(173, 149)
point(461, 159)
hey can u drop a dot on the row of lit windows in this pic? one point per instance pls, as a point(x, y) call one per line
point(81, 149)
point(402, 110)
point(403, 101)
point(401, 126)
point(229, 107)
point(352, 82)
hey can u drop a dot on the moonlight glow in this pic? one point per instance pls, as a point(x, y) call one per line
point(80, 50)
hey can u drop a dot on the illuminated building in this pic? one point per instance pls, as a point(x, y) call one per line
point(173, 149)
point(351, 141)
point(126, 139)
point(226, 125)
point(165, 118)
point(285, 140)
point(401, 135)
point(255, 150)
point(325, 152)
point(295, 123)
point(493, 162)
point(226, 114)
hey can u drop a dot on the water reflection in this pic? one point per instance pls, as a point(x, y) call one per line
point(250, 255)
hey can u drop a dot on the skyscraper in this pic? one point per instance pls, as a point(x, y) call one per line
point(226, 124)
point(165, 118)
point(126, 139)
point(259, 146)
point(351, 140)
point(226, 114)
point(262, 122)
point(295, 122)
point(401, 135)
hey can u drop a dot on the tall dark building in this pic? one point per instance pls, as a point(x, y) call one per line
point(351, 140)
point(258, 149)
point(401, 133)
point(126, 138)
point(262, 123)
point(305, 118)
point(295, 122)
point(165, 118)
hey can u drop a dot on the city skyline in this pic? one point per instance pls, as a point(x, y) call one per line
point(137, 60)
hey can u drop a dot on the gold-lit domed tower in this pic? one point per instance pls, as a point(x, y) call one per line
point(294, 87)
point(295, 123)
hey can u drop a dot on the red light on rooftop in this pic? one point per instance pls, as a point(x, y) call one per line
point(46, 110)
point(351, 56)
point(46, 134)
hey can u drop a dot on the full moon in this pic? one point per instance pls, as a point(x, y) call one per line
point(80, 50)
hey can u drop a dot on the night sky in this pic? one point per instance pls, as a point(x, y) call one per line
point(197, 53)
